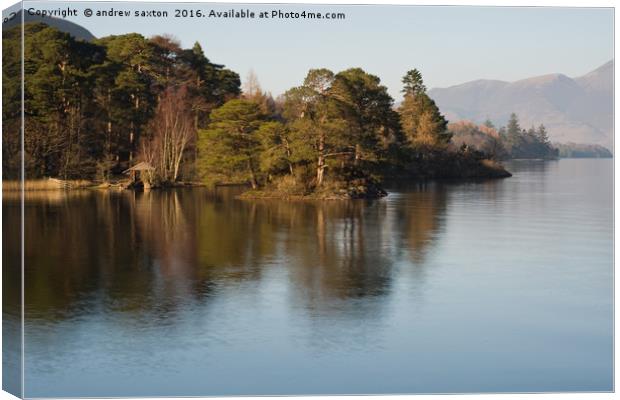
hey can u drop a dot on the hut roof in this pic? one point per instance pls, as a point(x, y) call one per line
point(141, 166)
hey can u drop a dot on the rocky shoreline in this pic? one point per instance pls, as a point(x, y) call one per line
point(458, 169)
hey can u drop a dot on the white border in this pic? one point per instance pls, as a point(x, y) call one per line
point(531, 3)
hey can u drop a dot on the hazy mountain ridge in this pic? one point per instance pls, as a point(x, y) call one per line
point(62, 25)
point(573, 109)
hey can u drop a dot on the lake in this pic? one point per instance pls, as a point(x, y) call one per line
point(441, 287)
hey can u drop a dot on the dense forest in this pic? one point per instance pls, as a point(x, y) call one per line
point(91, 108)
point(94, 109)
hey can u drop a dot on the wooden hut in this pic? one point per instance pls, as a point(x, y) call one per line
point(142, 172)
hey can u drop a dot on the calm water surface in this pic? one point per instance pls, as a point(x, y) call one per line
point(440, 287)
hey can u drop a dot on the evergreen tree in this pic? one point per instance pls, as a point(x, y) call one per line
point(276, 155)
point(214, 84)
point(413, 84)
point(367, 107)
point(512, 136)
point(422, 123)
point(93, 109)
point(134, 94)
point(318, 129)
point(230, 144)
point(521, 143)
point(489, 124)
point(87, 104)
point(513, 128)
point(11, 100)
point(543, 138)
point(541, 134)
point(58, 106)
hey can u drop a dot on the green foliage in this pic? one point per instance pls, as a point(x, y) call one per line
point(413, 84)
point(87, 105)
point(276, 155)
point(214, 84)
point(11, 98)
point(531, 143)
point(318, 128)
point(422, 123)
point(368, 108)
point(230, 146)
point(94, 109)
point(336, 134)
point(338, 125)
point(343, 123)
point(59, 136)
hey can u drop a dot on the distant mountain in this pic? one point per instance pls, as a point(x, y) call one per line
point(63, 25)
point(573, 109)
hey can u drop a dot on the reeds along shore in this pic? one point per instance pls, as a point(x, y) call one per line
point(45, 184)
point(53, 184)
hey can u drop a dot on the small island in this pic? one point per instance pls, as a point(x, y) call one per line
point(126, 111)
point(337, 136)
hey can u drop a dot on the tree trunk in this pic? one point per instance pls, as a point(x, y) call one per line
point(320, 167)
point(288, 156)
point(177, 162)
point(132, 134)
point(252, 175)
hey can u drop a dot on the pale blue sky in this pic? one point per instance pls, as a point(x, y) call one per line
point(449, 45)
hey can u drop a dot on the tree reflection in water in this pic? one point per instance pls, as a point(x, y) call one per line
point(159, 251)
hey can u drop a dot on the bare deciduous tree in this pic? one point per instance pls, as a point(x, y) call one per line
point(172, 131)
point(251, 86)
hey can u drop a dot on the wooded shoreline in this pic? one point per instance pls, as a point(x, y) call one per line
point(126, 111)
point(490, 170)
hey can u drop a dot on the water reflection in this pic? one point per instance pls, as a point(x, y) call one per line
point(439, 283)
point(11, 297)
point(420, 217)
point(156, 251)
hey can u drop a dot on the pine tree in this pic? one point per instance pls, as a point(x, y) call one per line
point(367, 107)
point(513, 137)
point(230, 143)
point(413, 83)
point(489, 124)
point(541, 134)
point(276, 155)
point(513, 128)
point(422, 123)
point(318, 128)
point(58, 104)
point(11, 100)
